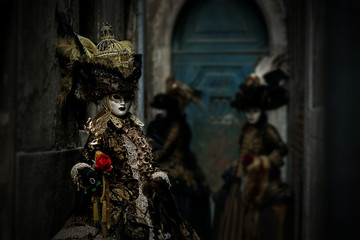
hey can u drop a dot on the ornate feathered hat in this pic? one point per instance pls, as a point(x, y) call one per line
point(89, 71)
point(178, 95)
point(262, 88)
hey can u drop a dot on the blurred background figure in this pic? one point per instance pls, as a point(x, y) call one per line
point(171, 137)
point(254, 202)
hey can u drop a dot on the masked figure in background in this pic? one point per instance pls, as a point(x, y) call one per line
point(256, 205)
point(171, 138)
point(127, 197)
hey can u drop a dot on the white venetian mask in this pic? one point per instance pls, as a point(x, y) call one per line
point(253, 115)
point(118, 105)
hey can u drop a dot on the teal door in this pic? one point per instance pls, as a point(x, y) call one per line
point(215, 46)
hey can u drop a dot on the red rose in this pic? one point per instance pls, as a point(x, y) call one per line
point(247, 159)
point(103, 163)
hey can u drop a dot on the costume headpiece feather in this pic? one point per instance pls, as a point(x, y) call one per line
point(178, 95)
point(261, 88)
point(89, 71)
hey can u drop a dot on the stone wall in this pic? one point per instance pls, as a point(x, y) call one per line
point(41, 142)
point(306, 115)
point(161, 16)
point(7, 136)
point(341, 86)
point(296, 118)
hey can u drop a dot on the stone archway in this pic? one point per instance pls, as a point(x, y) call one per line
point(161, 17)
point(160, 26)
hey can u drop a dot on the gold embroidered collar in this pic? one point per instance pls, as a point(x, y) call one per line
point(99, 124)
point(119, 122)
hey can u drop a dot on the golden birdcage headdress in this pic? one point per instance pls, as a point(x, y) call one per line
point(89, 71)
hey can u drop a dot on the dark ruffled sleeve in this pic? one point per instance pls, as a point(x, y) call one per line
point(169, 144)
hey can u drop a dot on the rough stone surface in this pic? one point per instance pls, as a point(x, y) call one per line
point(161, 16)
point(37, 86)
point(7, 114)
point(306, 116)
point(45, 193)
point(39, 141)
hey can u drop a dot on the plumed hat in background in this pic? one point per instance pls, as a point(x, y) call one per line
point(89, 71)
point(178, 95)
point(262, 88)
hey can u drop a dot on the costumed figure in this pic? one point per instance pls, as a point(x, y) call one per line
point(254, 203)
point(171, 137)
point(126, 196)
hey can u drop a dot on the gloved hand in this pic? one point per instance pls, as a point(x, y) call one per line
point(88, 177)
point(83, 175)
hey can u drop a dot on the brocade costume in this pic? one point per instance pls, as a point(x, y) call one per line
point(245, 214)
point(131, 217)
point(171, 137)
point(127, 198)
point(254, 203)
point(174, 154)
point(262, 139)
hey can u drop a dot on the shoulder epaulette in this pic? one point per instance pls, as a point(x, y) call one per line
point(98, 125)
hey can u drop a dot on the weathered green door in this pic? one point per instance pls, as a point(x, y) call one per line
point(215, 46)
